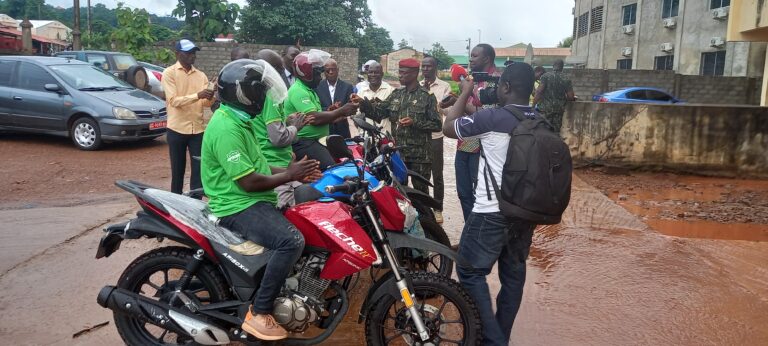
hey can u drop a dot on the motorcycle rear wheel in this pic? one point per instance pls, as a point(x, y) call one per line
point(154, 275)
point(442, 304)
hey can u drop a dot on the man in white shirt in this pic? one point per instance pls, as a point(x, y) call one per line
point(441, 89)
point(377, 89)
point(364, 70)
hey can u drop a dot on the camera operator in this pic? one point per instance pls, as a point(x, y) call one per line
point(468, 151)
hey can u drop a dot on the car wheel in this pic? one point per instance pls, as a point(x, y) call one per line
point(85, 134)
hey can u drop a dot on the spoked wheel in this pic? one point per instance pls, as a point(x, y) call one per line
point(445, 307)
point(155, 274)
point(419, 260)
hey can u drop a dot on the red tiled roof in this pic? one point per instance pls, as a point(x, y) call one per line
point(34, 37)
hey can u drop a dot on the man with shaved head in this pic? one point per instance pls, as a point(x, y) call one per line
point(274, 59)
point(334, 92)
point(238, 53)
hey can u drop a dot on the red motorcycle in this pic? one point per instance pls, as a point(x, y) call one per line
point(199, 293)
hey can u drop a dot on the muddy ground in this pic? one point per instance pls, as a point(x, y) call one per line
point(640, 258)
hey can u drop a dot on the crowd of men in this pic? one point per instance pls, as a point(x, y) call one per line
point(256, 151)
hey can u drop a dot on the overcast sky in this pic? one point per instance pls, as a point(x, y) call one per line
point(501, 23)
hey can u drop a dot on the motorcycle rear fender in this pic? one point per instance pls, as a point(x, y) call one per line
point(403, 240)
point(143, 225)
point(422, 198)
point(419, 177)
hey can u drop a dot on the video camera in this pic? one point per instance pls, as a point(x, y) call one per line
point(487, 94)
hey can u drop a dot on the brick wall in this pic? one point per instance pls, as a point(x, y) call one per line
point(692, 89)
point(214, 55)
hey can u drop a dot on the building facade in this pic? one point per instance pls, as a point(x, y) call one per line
point(391, 60)
point(749, 23)
point(686, 36)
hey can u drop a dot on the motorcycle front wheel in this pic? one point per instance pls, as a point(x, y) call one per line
point(154, 275)
point(418, 260)
point(447, 310)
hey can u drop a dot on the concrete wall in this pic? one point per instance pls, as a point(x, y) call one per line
point(214, 55)
point(391, 60)
point(692, 89)
point(703, 139)
point(691, 37)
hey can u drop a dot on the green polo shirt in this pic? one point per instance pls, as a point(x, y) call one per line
point(302, 99)
point(276, 156)
point(230, 152)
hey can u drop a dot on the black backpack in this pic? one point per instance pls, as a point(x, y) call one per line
point(536, 180)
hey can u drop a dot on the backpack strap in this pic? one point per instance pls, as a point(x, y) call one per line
point(487, 172)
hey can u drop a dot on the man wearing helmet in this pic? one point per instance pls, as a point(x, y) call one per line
point(302, 98)
point(240, 184)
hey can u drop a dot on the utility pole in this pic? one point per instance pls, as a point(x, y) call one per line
point(76, 32)
point(469, 47)
point(90, 29)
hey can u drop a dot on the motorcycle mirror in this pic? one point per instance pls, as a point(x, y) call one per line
point(360, 122)
point(337, 146)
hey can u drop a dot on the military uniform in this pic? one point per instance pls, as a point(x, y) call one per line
point(421, 107)
point(552, 103)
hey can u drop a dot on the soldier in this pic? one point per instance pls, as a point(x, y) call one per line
point(555, 89)
point(413, 112)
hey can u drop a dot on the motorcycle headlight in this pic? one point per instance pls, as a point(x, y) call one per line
point(123, 113)
point(409, 211)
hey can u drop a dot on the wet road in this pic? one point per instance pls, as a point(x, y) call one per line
point(602, 277)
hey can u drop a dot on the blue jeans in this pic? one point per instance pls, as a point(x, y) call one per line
point(465, 165)
point(261, 223)
point(487, 238)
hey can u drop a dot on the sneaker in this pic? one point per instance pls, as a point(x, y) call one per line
point(439, 216)
point(263, 327)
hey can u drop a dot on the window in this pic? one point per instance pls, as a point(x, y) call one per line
point(35, 77)
point(636, 94)
point(124, 62)
point(98, 60)
point(713, 63)
point(575, 24)
point(583, 24)
point(629, 14)
point(656, 95)
point(719, 3)
point(6, 71)
point(597, 19)
point(624, 64)
point(664, 62)
point(669, 8)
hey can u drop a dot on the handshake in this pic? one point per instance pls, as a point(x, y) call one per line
point(348, 109)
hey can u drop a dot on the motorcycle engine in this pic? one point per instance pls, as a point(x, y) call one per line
point(301, 302)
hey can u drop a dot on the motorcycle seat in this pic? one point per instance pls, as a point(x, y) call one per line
point(195, 214)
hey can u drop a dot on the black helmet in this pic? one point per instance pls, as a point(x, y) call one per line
point(242, 85)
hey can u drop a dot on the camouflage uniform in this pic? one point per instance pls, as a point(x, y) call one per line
point(552, 103)
point(421, 107)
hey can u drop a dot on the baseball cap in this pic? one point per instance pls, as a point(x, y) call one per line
point(186, 46)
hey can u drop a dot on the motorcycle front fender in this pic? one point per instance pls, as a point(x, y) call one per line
point(403, 240)
point(384, 286)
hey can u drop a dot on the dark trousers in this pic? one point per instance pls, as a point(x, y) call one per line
point(487, 238)
point(178, 144)
point(425, 170)
point(261, 223)
point(437, 170)
point(556, 119)
point(312, 149)
point(466, 179)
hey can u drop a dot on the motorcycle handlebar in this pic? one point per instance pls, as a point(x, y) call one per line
point(346, 187)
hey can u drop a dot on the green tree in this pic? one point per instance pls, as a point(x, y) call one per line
point(374, 42)
point(206, 19)
point(444, 60)
point(135, 35)
point(162, 33)
point(20, 9)
point(403, 44)
point(304, 22)
point(101, 38)
point(566, 42)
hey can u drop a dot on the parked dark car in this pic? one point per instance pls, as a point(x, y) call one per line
point(121, 65)
point(637, 95)
point(72, 98)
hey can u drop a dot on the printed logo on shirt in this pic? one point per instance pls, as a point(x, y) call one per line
point(466, 121)
point(233, 156)
point(306, 101)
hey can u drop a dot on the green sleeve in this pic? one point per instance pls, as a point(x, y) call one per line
point(232, 154)
point(378, 111)
point(271, 113)
point(301, 100)
point(430, 121)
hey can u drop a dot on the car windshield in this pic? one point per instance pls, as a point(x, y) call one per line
point(123, 62)
point(87, 77)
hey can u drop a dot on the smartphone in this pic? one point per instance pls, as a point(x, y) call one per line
point(211, 86)
point(446, 98)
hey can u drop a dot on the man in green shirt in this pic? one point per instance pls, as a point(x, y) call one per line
point(302, 98)
point(240, 183)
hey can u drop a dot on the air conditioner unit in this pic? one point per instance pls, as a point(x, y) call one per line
point(628, 29)
point(670, 23)
point(717, 42)
point(573, 11)
point(720, 13)
point(626, 51)
point(667, 47)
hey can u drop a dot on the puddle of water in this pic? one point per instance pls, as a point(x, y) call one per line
point(710, 230)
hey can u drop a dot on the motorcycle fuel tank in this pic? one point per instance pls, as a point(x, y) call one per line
point(329, 225)
point(336, 175)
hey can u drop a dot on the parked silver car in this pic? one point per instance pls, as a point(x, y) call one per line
point(72, 98)
point(155, 74)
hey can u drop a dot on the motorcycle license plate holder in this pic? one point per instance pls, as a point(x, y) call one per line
point(110, 242)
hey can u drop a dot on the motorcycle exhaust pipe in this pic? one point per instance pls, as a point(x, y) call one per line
point(160, 314)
